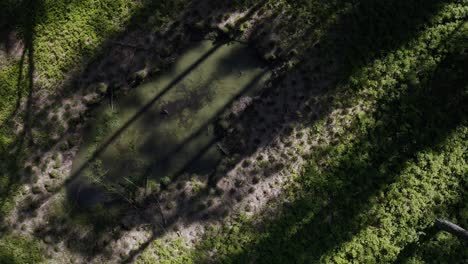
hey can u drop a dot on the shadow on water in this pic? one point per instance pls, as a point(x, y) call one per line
point(163, 137)
point(161, 144)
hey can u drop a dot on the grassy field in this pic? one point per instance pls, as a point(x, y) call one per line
point(373, 96)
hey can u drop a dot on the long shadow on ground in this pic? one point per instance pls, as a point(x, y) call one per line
point(278, 107)
point(367, 168)
point(333, 205)
point(131, 57)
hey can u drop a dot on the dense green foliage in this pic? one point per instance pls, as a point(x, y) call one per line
point(17, 250)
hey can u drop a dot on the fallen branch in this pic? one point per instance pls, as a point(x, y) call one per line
point(222, 149)
point(452, 228)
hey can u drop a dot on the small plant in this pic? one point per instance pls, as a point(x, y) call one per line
point(165, 181)
point(263, 164)
point(225, 30)
point(54, 174)
point(171, 205)
point(243, 27)
point(197, 186)
point(238, 183)
point(299, 134)
point(255, 171)
point(56, 165)
point(153, 186)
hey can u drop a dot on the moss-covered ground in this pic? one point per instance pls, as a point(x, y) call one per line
point(371, 105)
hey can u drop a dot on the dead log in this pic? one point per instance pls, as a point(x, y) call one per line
point(452, 228)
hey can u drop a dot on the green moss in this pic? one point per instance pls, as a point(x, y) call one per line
point(167, 252)
point(16, 249)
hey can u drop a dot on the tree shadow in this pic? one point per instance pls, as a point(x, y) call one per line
point(131, 51)
point(263, 109)
point(329, 212)
point(273, 114)
point(203, 162)
point(24, 17)
point(82, 84)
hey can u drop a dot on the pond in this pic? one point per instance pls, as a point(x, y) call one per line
point(166, 127)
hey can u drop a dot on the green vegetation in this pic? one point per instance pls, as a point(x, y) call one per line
point(383, 109)
point(15, 249)
point(167, 252)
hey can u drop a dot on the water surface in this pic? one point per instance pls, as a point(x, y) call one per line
point(167, 127)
